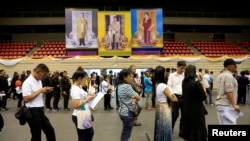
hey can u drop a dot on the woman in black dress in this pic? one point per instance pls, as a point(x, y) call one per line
point(194, 124)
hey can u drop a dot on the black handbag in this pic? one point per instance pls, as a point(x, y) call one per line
point(23, 115)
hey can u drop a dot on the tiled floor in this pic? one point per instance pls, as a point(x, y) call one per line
point(107, 124)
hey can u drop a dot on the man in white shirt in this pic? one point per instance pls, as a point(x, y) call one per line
point(206, 80)
point(175, 84)
point(105, 90)
point(33, 97)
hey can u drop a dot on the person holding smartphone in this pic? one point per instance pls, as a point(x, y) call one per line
point(33, 92)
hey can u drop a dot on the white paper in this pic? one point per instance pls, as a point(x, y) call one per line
point(18, 90)
point(96, 100)
point(232, 115)
point(2, 95)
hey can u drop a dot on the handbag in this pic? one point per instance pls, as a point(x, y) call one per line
point(23, 115)
point(84, 118)
point(136, 111)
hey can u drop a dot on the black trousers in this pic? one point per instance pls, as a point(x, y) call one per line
point(5, 98)
point(56, 95)
point(66, 99)
point(176, 106)
point(38, 122)
point(85, 134)
point(48, 98)
point(20, 100)
point(107, 98)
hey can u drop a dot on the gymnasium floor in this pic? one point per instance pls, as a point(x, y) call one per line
point(107, 124)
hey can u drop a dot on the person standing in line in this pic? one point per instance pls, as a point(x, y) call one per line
point(12, 87)
point(142, 83)
point(65, 85)
point(80, 98)
point(128, 97)
point(81, 29)
point(47, 83)
point(211, 75)
point(55, 82)
point(137, 82)
point(105, 85)
point(137, 89)
point(206, 81)
point(194, 111)
point(242, 88)
point(175, 83)
point(227, 92)
point(4, 87)
point(18, 90)
point(98, 81)
point(33, 97)
point(163, 97)
point(148, 90)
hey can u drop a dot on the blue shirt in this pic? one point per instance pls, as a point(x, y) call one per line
point(147, 85)
point(211, 78)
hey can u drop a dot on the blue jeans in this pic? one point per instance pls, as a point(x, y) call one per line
point(83, 134)
point(128, 124)
point(209, 93)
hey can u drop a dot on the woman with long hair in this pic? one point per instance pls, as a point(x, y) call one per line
point(163, 116)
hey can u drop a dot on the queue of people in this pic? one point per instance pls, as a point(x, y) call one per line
point(185, 90)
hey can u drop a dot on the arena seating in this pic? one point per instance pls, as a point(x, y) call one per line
point(217, 48)
point(53, 49)
point(176, 48)
point(245, 44)
point(15, 50)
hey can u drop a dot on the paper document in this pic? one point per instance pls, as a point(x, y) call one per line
point(232, 115)
point(2, 95)
point(97, 98)
point(18, 90)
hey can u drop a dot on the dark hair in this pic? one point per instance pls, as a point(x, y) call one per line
point(105, 76)
point(61, 74)
point(228, 62)
point(122, 74)
point(247, 72)
point(200, 70)
point(167, 69)
point(181, 63)
point(135, 75)
point(242, 73)
point(28, 71)
point(79, 74)
point(190, 72)
point(80, 68)
point(159, 75)
point(42, 67)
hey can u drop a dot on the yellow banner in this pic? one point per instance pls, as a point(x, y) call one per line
point(114, 33)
